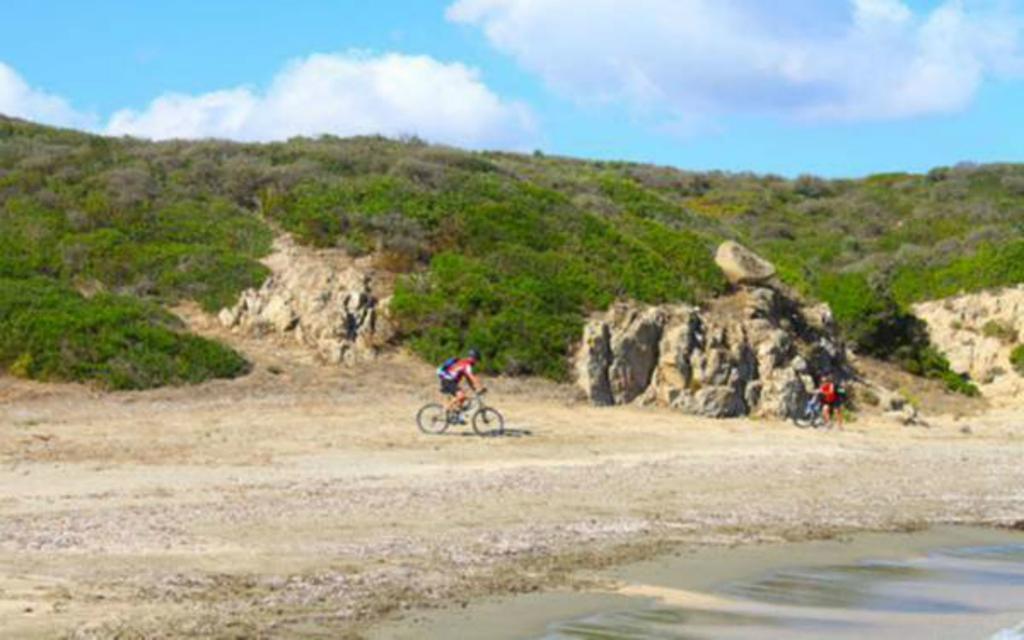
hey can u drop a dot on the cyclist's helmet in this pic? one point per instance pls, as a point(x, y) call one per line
point(474, 355)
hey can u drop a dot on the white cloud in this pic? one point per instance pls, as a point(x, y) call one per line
point(20, 100)
point(221, 114)
point(344, 94)
point(684, 60)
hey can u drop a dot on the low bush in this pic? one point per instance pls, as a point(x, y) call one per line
point(205, 251)
point(999, 330)
point(1017, 359)
point(928, 362)
point(49, 332)
point(988, 267)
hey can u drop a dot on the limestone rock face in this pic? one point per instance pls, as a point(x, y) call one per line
point(593, 361)
point(741, 265)
point(634, 351)
point(977, 332)
point(754, 352)
point(323, 299)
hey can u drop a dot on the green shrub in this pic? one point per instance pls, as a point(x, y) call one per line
point(1017, 359)
point(522, 309)
point(869, 318)
point(206, 251)
point(928, 362)
point(48, 332)
point(999, 330)
point(990, 266)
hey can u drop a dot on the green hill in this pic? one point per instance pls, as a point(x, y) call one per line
point(506, 252)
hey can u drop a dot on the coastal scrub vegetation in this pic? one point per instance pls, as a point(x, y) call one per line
point(503, 251)
point(49, 332)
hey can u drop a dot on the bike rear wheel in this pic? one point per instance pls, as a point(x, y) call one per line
point(432, 419)
point(488, 422)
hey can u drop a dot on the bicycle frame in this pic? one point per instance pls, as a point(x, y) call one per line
point(815, 407)
point(474, 403)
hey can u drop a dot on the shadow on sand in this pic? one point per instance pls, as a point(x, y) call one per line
point(507, 433)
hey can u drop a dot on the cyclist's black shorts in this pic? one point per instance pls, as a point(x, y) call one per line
point(449, 387)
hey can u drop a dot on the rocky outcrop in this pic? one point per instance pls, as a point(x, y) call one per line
point(742, 266)
point(753, 352)
point(756, 351)
point(323, 299)
point(977, 332)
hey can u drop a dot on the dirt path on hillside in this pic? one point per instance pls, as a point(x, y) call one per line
point(302, 502)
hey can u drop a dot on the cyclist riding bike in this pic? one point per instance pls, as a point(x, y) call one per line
point(831, 396)
point(452, 374)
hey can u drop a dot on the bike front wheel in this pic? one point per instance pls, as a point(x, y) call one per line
point(488, 422)
point(432, 419)
point(804, 421)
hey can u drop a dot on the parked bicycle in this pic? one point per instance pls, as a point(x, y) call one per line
point(434, 419)
point(811, 416)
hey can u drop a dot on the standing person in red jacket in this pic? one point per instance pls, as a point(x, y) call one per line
point(831, 401)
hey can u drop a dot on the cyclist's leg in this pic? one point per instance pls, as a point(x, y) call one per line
point(455, 405)
point(449, 396)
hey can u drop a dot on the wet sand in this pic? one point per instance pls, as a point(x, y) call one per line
point(714, 585)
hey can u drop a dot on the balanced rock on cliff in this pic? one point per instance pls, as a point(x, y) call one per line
point(741, 265)
point(323, 299)
point(755, 351)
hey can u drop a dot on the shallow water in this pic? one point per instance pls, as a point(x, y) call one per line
point(960, 592)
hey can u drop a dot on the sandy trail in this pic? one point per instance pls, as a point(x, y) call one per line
point(307, 504)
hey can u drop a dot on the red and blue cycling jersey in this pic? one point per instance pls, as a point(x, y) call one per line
point(457, 370)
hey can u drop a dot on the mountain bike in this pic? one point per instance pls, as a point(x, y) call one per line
point(434, 419)
point(811, 415)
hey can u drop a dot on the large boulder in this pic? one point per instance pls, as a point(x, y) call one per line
point(754, 352)
point(741, 265)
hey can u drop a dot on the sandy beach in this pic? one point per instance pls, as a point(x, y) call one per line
point(301, 501)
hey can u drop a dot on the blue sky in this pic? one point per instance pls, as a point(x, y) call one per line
point(840, 88)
